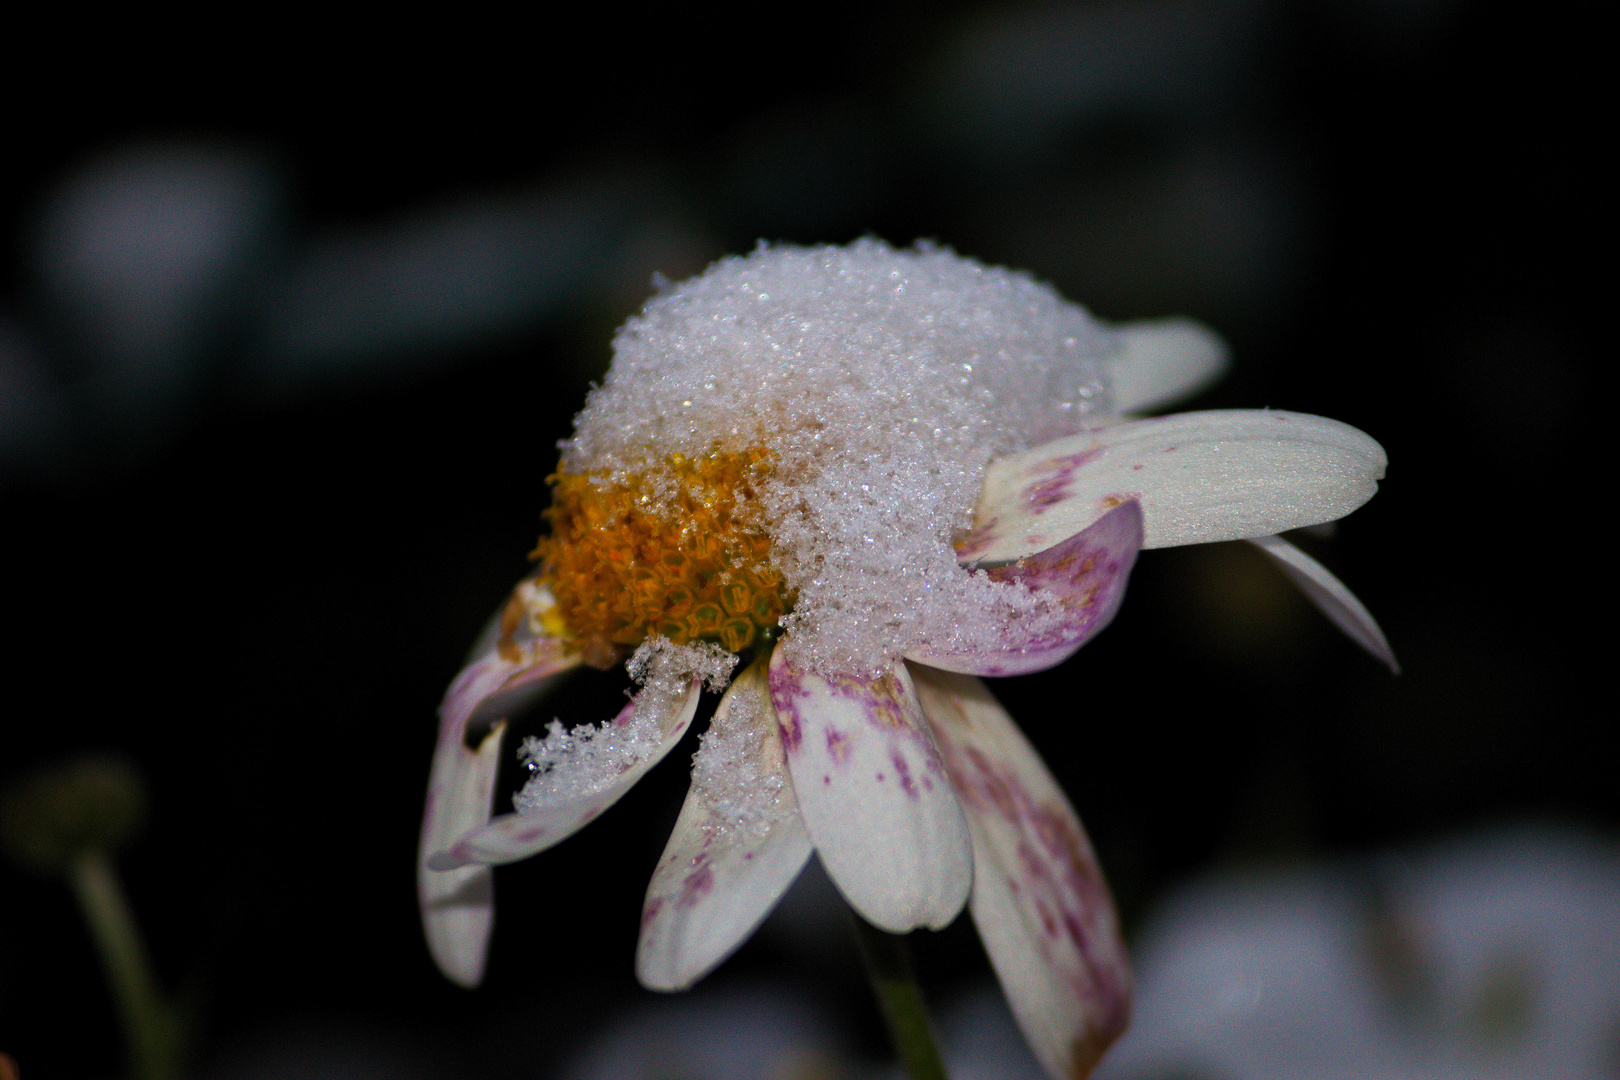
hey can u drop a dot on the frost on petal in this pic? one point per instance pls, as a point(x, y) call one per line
point(1083, 578)
point(1200, 477)
point(1162, 361)
point(513, 662)
point(1039, 899)
point(578, 773)
point(1331, 595)
point(874, 794)
point(737, 846)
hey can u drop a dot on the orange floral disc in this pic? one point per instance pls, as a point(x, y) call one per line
point(677, 550)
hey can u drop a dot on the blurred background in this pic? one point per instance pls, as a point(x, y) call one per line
point(294, 309)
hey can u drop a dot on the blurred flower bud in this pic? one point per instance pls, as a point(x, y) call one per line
point(52, 816)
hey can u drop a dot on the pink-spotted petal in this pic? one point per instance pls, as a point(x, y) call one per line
point(591, 773)
point(514, 664)
point(1039, 899)
point(736, 848)
point(1162, 361)
point(1200, 477)
point(874, 794)
point(1085, 573)
point(1331, 595)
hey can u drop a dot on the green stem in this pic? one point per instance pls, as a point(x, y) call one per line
point(149, 1027)
point(888, 964)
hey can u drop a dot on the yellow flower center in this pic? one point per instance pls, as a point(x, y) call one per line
point(678, 550)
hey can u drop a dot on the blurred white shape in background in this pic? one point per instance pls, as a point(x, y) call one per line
point(400, 294)
point(34, 410)
point(738, 1033)
point(1495, 956)
point(146, 258)
point(164, 266)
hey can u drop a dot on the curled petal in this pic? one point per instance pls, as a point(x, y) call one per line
point(1039, 899)
point(736, 848)
point(1163, 361)
point(874, 794)
point(513, 664)
point(1086, 573)
point(1200, 477)
point(1330, 594)
point(591, 774)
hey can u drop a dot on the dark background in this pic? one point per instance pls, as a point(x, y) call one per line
point(258, 588)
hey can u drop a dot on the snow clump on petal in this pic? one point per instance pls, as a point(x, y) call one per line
point(570, 762)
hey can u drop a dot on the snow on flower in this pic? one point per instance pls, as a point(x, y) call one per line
point(840, 484)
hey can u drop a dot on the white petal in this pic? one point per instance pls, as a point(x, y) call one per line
point(736, 848)
point(1039, 899)
point(514, 664)
point(655, 719)
point(1086, 573)
point(1200, 477)
point(874, 795)
point(458, 908)
point(1330, 594)
point(1163, 361)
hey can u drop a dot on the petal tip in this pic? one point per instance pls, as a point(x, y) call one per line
point(468, 977)
point(458, 915)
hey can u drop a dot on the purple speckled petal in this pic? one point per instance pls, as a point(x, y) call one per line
point(512, 665)
point(515, 836)
point(874, 794)
point(1087, 572)
point(732, 855)
point(1330, 594)
point(1200, 477)
point(1039, 899)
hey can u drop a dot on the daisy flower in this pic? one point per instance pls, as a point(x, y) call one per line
point(840, 484)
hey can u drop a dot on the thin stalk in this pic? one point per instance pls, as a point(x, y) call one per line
point(150, 1028)
point(888, 964)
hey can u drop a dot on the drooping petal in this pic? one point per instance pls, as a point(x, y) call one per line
point(591, 773)
point(513, 663)
point(1330, 594)
point(874, 795)
point(1200, 477)
point(736, 848)
point(458, 908)
point(1163, 361)
point(1039, 899)
point(1087, 573)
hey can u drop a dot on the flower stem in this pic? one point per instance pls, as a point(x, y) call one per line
point(150, 1028)
point(888, 964)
